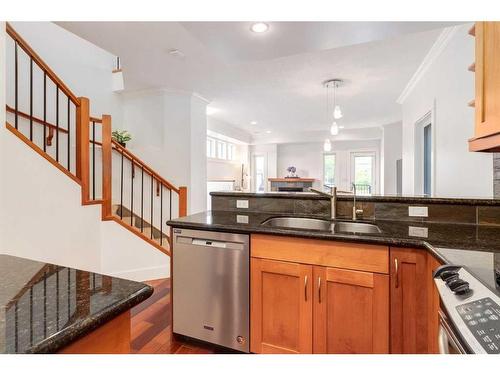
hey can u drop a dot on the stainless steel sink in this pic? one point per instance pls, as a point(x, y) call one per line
point(300, 223)
point(348, 227)
point(322, 225)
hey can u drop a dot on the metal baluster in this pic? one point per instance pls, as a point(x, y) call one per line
point(170, 204)
point(57, 123)
point(45, 305)
point(16, 93)
point(31, 99)
point(69, 294)
point(93, 160)
point(161, 214)
point(44, 111)
point(31, 315)
point(16, 318)
point(132, 193)
point(121, 190)
point(69, 136)
point(57, 298)
point(142, 198)
point(152, 182)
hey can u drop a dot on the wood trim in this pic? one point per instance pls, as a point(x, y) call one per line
point(347, 255)
point(39, 151)
point(82, 147)
point(182, 201)
point(38, 60)
point(35, 119)
point(111, 338)
point(489, 143)
point(137, 232)
point(97, 120)
point(342, 276)
point(106, 167)
point(129, 155)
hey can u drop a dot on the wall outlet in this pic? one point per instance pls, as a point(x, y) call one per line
point(242, 219)
point(242, 203)
point(418, 232)
point(418, 211)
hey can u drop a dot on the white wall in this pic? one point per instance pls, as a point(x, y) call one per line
point(84, 67)
point(169, 133)
point(42, 216)
point(308, 159)
point(390, 151)
point(445, 88)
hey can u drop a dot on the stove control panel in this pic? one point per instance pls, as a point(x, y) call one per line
point(482, 317)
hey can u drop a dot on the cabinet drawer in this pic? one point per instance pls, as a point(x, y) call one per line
point(355, 256)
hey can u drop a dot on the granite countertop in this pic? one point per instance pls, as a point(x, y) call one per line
point(476, 247)
point(44, 307)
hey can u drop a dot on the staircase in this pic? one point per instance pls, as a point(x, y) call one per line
point(55, 123)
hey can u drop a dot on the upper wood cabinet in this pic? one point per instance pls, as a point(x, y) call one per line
point(414, 302)
point(350, 311)
point(487, 92)
point(281, 307)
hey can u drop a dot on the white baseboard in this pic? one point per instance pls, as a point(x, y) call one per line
point(142, 274)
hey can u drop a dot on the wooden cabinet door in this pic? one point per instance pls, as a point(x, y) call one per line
point(487, 73)
point(281, 307)
point(351, 311)
point(409, 301)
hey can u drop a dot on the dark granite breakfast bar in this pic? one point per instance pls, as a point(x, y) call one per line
point(45, 307)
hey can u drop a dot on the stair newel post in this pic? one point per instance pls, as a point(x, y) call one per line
point(182, 201)
point(82, 147)
point(106, 167)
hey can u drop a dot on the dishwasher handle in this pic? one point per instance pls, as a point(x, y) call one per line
point(211, 243)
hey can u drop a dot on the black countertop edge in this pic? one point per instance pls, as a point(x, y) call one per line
point(364, 198)
point(66, 336)
point(398, 242)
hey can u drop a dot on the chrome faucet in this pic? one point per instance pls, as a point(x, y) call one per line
point(355, 211)
point(333, 199)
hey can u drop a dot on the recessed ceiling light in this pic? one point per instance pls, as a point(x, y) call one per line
point(268, 131)
point(253, 123)
point(212, 110)
point(259, 27)
point(176, 53)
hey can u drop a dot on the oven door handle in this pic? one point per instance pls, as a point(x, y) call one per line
point(443, 341)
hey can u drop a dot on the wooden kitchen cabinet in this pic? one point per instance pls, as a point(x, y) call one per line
point(414, 302)
point(350, 311)
point(487, 91)
point(281, 307)
point(314, 296)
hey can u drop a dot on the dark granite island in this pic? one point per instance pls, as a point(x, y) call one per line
point(45, 308)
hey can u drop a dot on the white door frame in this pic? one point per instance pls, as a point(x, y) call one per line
point(375, 167)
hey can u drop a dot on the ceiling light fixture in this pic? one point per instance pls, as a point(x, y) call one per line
point(332, 85)
point(268, 131)
point(259, 27)
point(327, 146)
point(253, 123)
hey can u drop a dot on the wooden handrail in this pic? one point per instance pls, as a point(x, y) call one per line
point(141, 164)
point(97, 120)
point(38, 60)
point(35, 119)
point(82, 147)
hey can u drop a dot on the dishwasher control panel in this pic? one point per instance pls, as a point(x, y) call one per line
point(482, 317)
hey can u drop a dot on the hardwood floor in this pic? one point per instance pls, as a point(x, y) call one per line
point(151, 329)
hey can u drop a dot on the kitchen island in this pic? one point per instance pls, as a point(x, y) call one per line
point(46, 308)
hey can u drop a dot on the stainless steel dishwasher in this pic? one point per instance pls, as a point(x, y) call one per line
point(211, 287)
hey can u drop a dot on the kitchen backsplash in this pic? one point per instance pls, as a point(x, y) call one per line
point(441, 212)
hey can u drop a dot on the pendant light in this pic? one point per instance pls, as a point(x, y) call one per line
point(334, 129)
point(327, 146)
point(332, 85)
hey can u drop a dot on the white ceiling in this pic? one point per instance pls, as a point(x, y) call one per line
point(273, 78)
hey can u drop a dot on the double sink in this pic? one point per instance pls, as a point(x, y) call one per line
point(322, 225)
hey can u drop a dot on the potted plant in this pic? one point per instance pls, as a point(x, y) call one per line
point(121, 136)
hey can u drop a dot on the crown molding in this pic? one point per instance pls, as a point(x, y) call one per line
point(436, 49)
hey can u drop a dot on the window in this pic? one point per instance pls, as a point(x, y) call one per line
point(363, 165)
point(210, 148)
point(260, 173)
point(222, 150)
point(329, 170)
